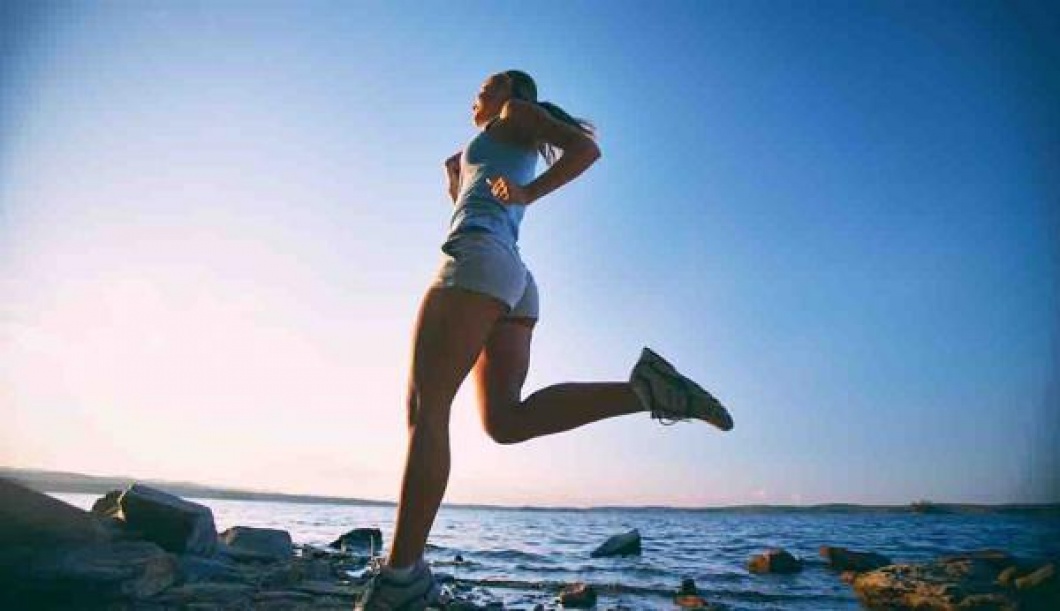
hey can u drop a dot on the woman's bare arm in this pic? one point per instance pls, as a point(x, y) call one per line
point(579, 150)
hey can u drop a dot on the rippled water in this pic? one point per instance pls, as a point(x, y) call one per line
point(534, 551)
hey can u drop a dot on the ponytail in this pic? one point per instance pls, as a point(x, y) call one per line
point(524, 88)
point(547, 150)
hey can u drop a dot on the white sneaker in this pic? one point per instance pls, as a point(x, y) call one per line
point(385, 593)
point(671, 397)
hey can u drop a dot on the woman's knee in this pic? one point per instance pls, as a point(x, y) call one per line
point(502, 424)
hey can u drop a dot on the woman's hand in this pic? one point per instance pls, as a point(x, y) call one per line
point(508, 192)
point(452, 165)
point(452, 172)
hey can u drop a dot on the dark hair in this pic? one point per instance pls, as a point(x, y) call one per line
point(524, 88)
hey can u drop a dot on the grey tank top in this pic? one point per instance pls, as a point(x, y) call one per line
point(475, 208)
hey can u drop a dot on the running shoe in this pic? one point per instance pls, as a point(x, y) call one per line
point(386, 593)
point(672, 397)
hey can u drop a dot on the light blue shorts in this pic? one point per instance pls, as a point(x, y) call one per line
point(481, 262)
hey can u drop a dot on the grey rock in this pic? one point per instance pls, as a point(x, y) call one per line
point(207, 593)
point(118, 530)
point(308, 550)
point(464, 605)
point(313, 570)
point(351, 566)
point(963, 581)
point(282, 596)
point(268, 542)
point(328, 588)
point(285, 576)
point(84, 573)
point(688, 586)
point(624, 544)
point(578, 595)
point(277, 577)
point(177, 525)
point(194, 569)
point(28, 517)
point(236, 554)
point(360, 540)
point(774, 561)
point(107, 505)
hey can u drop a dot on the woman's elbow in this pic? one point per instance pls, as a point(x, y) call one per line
point(592, 151)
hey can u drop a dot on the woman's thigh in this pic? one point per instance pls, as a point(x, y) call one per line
point(451, 328)
point(500, 372)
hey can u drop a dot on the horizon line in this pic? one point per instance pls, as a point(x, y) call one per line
point(93, 484)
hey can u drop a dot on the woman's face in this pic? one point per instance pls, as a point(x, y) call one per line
point(491, 96)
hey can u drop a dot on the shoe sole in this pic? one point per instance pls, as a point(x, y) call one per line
point(431, 599)
point(433, 596)
point(716, 414)
point(417, 604)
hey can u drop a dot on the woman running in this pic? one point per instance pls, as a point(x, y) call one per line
point(479, 314)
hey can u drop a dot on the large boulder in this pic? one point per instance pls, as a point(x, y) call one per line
point(81, 575)
point(270, 543)
point(974, 580)
point(774, 561)
point(625, 544)
point(177, 525)
point(28, 517)
point(360, 540)
point(842, 559)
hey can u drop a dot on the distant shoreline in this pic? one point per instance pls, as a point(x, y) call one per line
point(68, 482)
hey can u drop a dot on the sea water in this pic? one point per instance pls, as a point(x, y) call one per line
point(526, 555)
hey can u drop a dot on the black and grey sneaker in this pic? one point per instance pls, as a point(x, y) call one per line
point(387, 593)
point(672, 397)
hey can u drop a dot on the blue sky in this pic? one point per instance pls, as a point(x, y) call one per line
point(217, 220)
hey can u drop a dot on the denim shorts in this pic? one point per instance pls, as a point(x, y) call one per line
point(482, 262)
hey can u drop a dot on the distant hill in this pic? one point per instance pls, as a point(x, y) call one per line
point(60, 481)
point(1044, 509)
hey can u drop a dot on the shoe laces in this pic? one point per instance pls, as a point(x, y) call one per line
point(375, 572)
point(375, 565)
point(667, 417)
point(376, 581)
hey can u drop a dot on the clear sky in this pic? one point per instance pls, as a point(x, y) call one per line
point(217, 220)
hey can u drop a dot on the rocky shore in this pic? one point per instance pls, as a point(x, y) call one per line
point(141, 548)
